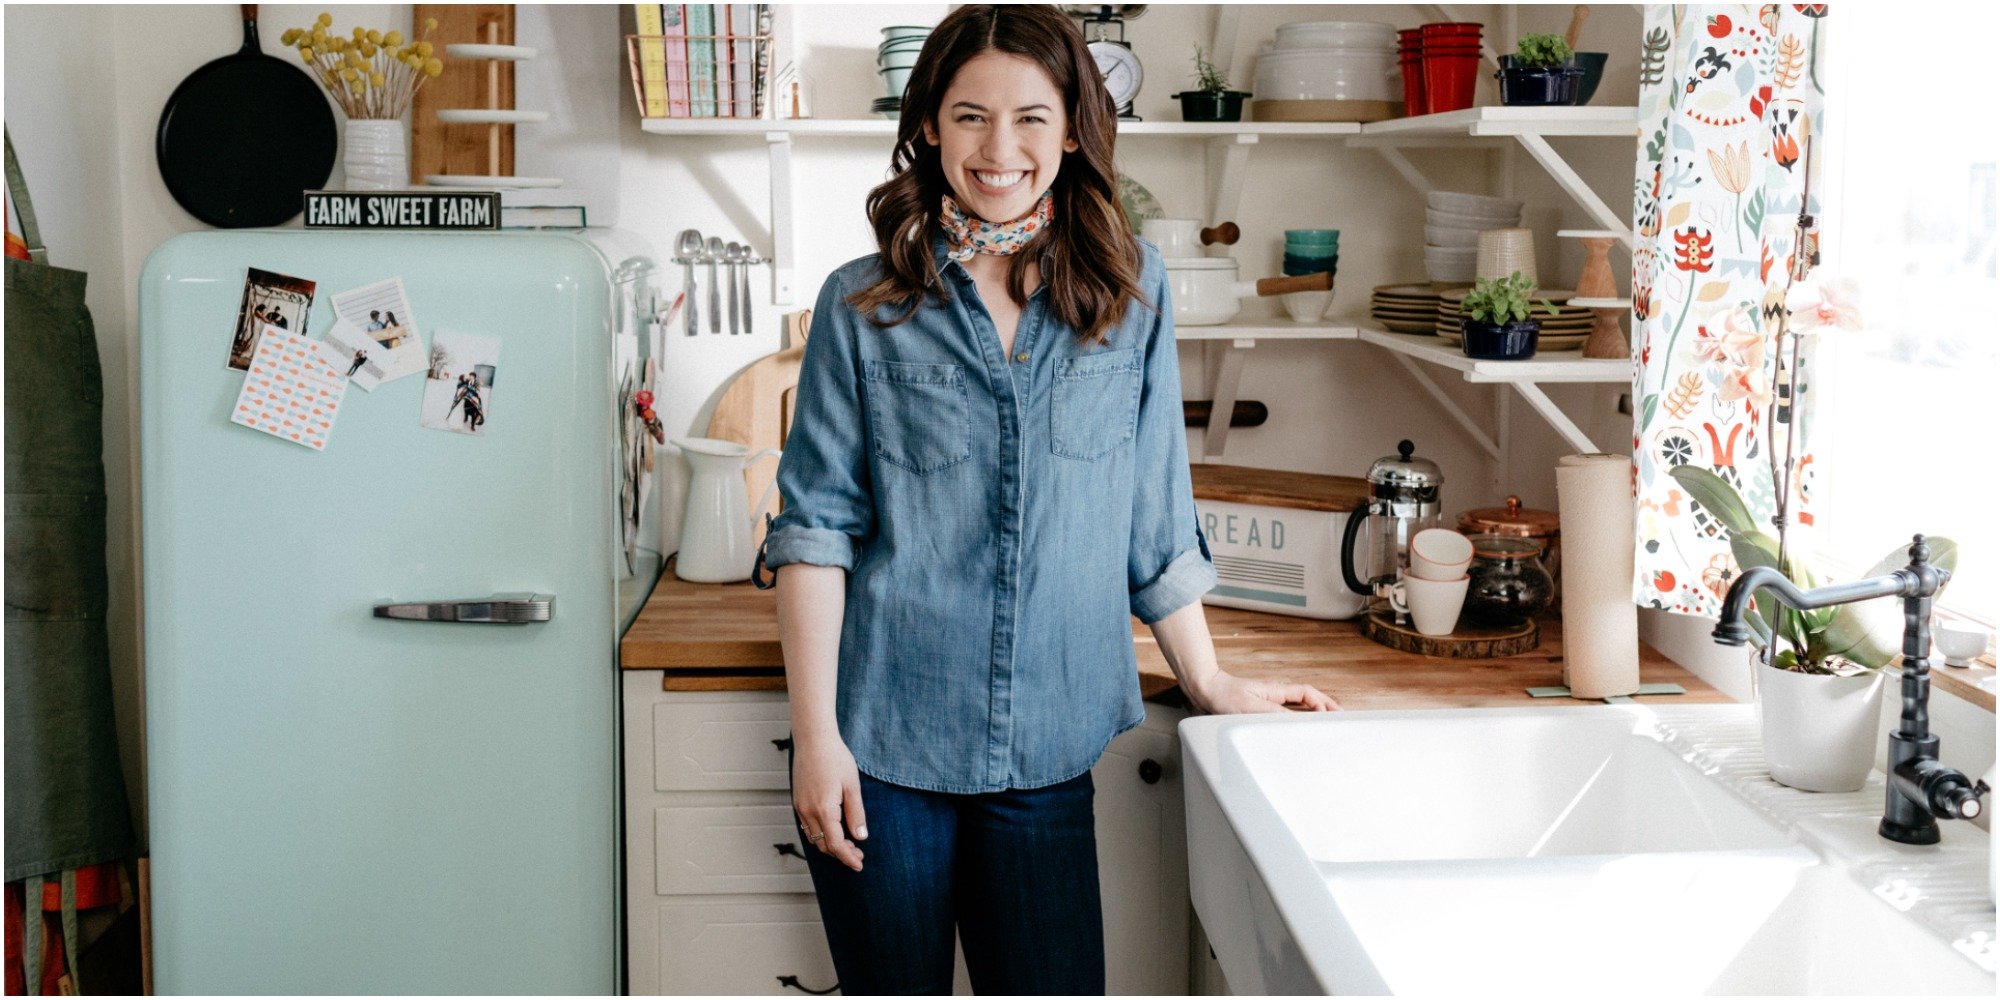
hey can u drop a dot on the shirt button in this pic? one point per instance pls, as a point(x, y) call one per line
point(1023, 356)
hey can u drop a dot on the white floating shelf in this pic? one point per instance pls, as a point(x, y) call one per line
point(1545, 366)
point(1268, 330)
point(485, 182)
point(490, 116)
point(886, 127)
point(1502, 120)
point(506, 53)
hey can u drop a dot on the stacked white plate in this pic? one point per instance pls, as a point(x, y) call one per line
point(1453, 222)
point(1408, 308)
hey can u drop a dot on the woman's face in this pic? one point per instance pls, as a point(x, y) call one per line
point(1001, 133)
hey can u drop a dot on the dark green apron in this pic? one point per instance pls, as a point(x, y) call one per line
point(66, 805)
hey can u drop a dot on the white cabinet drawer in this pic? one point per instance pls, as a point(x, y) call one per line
point(712, 849)
point(707, 948)
point(711, 745)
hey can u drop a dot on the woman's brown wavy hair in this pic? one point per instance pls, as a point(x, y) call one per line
point(1089, 258)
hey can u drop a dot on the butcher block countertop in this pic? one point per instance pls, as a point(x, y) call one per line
point(724, 637)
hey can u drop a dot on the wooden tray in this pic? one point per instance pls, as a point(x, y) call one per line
point(1468, 642)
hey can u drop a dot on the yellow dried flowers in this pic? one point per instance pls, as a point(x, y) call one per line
point(370, 73)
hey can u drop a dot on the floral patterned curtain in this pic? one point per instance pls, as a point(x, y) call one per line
point(1729, 97)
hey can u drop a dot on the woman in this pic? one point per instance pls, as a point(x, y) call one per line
point(986, 477)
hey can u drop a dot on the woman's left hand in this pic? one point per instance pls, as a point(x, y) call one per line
point(1224, 693)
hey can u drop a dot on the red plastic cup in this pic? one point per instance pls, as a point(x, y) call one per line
point(1413, 85)
point(1449, 81)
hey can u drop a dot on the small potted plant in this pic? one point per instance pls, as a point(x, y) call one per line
point(1211, 100)
point(1541, 72)
point(1498, 323)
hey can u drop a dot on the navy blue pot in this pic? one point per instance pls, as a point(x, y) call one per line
point(1537, 86)
point(1500, 341)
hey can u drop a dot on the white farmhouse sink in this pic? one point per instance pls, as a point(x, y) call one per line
point(1537, 850)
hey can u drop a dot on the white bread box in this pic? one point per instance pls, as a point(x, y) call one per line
point(1275, 537)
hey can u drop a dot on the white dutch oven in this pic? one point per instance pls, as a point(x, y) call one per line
point(1206, 291)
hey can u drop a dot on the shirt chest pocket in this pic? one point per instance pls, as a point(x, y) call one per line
point(1095, 403)
point(917, 414)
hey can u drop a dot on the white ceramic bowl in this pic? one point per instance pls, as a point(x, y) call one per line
point(1471, 204)
point(1455, 220)
point(1959, 643)
point(1335, 35)
point(1306, 307)
point(1450, 236)
point(1327, 75)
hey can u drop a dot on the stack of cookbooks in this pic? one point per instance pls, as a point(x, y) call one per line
point(700, 60)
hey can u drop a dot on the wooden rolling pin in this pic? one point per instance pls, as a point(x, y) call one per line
point(1576, 19)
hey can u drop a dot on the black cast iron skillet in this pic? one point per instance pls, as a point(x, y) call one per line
point(243, 136)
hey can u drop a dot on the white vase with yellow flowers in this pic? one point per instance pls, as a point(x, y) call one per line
point(372, 75)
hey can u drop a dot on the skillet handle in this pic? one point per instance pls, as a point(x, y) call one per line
point(250, 43)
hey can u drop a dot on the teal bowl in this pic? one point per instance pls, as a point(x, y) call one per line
point(1592, 65)
point(906, 31)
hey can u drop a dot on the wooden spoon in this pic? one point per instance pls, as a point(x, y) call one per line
point(1576, 20)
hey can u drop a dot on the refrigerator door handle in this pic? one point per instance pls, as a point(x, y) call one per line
point(500, 609)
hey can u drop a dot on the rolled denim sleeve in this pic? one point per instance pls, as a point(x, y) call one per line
point(1169, 565)
point(823, 477)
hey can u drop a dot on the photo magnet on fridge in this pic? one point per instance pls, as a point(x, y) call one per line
point(292, 389)
point(378, 314)
point(279, 300)
point(458, 390)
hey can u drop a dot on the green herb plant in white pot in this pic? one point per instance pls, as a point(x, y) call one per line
point(1819, 674)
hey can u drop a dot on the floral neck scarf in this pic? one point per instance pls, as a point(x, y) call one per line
point(970, 235)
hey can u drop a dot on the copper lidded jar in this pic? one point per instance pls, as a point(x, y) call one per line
point(1509, 585)
point(1544, 527)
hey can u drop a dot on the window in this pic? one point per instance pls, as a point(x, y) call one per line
point(1907, 408)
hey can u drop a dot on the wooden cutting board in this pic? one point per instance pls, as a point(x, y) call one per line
point(756, 410)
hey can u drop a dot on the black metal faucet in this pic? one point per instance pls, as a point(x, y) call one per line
point(1921, 789)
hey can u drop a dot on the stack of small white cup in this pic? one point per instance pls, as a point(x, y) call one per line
point(1433, 589)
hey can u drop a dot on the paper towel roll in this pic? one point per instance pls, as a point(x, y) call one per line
point(1600, 622)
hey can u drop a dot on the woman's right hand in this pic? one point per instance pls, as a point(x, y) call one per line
point(826, 786)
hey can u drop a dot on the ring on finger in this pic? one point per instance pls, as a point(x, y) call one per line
point(816, 837)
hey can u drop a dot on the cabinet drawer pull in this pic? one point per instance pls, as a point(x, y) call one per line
point(1150, 771)
point(782, 744)
point(788, 848)
point(792, 982)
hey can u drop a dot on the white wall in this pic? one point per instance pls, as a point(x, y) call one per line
point(84, 87)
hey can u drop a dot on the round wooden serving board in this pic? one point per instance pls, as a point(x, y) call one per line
point(1468, 642)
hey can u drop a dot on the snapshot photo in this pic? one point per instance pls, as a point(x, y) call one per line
point(383, 315)
point(458, 388)
point(273, 299)
point(368, 363)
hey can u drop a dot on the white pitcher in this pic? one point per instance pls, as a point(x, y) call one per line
point(717, 529)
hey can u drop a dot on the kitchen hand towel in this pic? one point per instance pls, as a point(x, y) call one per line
point(1600, 622)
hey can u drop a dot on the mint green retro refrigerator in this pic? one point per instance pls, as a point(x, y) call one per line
point(421, 799)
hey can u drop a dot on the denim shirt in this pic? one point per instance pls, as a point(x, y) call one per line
point(1001, 518)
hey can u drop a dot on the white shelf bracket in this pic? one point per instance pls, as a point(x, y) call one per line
point(1222, 42)
point(1407, 170)
point(1450, 406)
point(1222, 395)
point(783, 253)
point(1227, 157)
point(1573, 184)
point(1555, 416)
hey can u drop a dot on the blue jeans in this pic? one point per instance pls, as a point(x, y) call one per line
point(1015, 871)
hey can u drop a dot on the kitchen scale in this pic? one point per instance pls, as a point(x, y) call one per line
point(1116, 61)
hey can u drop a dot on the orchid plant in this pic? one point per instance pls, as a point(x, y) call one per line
point(1840, 639)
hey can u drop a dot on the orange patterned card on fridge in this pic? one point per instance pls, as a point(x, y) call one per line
point(292, 390)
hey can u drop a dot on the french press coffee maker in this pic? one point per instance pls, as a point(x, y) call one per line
point(1403, 500)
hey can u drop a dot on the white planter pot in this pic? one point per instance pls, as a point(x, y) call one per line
point(376, 155)
point(1819, 730)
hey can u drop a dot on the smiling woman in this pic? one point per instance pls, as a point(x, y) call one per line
point(982, 486)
